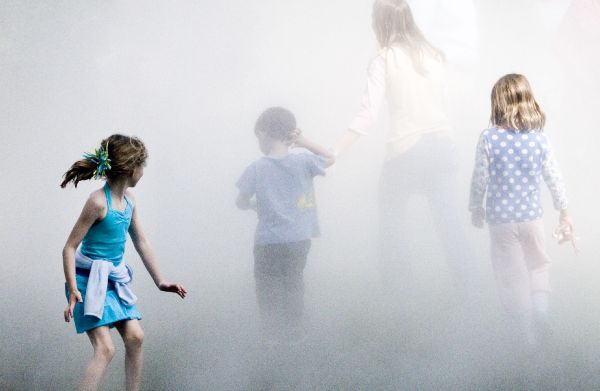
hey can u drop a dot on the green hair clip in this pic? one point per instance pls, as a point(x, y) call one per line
point(100, 159)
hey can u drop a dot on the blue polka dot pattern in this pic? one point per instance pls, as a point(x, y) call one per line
point(515, 172)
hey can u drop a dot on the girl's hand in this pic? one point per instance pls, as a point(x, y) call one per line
point(565, 232)
point(565, 222)
point(74, 297)
point(175, 288)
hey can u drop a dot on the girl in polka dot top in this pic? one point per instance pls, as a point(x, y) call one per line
point(511, 160)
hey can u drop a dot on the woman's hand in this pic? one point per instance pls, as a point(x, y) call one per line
point(74, 298)
point(175, 288)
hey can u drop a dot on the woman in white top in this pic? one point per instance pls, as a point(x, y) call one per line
point(409, 73)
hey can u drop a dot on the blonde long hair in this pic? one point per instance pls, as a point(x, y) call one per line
point(513, 104)
point(394, 24)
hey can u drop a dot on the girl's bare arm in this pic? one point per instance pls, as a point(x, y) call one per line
point(146, 252)
point(93, 210)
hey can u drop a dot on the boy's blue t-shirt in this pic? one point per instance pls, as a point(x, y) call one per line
point(285, 198)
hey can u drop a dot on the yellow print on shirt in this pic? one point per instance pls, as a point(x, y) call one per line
point(306, 201)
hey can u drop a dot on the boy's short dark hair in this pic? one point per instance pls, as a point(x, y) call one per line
point(276, 122)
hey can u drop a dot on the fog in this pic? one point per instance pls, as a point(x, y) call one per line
point(190, 78)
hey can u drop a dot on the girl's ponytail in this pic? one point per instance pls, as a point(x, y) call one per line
point(81, 170)
point(117, 157)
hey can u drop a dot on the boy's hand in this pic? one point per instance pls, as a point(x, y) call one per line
point(477, 219)
point(174, 288)
point(302, 142)
point(296, 138)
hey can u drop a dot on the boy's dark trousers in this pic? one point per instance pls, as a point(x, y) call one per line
point(278, 271)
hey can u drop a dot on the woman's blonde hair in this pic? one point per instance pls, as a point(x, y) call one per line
point(394, 24)
point(513, 104)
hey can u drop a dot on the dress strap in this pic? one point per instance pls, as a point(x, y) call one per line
point(129, 204)
point(108, 198)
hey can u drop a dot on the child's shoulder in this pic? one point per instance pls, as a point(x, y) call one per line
point(96, 201)
point(293, 161)
point(304, 158)
point(291, 158)
point(487, 133)
point(97, 197)
point(253, 163)
point(502, 137)
point(492, 130)
point(540, 135)
point(300, 155)
point(497, 133)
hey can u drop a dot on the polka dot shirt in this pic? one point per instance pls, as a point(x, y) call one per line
point(509, 168)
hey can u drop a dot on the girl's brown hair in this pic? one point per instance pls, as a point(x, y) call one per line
point(394, 24)
point(513, 104)
point(125, 154)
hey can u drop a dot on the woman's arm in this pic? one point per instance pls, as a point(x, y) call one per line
point(146, 252)
point(347, 140)
point(93, 210)
point(369, 109)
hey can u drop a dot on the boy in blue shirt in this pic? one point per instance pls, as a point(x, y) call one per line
point(279, 186)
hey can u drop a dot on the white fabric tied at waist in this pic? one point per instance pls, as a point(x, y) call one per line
point(100, 272)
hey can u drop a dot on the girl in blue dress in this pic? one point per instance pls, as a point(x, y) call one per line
point(97, 278)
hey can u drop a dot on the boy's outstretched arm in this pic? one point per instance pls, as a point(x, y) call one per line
point(303, 142)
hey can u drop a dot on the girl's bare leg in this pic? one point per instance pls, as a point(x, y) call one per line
point(104, 350)
point(133, 337)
